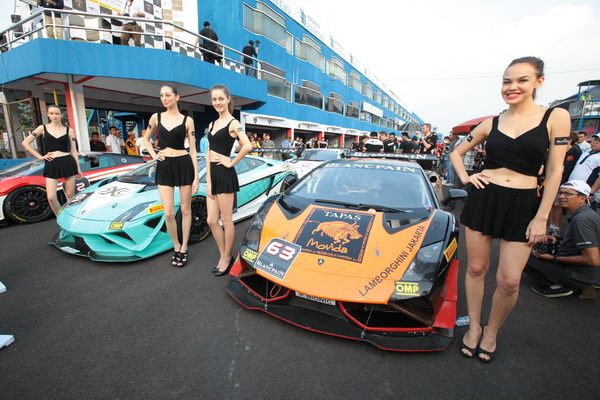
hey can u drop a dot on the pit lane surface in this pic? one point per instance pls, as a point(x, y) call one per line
point(148, 330)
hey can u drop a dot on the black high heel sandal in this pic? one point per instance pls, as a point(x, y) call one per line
point(226, 270)
point(174, 258)
point(182, 260)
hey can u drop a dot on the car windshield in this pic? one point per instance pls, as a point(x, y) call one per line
point(25, 168)
point(395, 186)
point(320, 155)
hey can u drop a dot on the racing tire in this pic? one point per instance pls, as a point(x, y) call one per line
point(199, 229)
point(28, 205)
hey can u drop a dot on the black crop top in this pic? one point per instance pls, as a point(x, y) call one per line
point(221, 142)
point(524, 155)
point(52, 143)
point(174, 138)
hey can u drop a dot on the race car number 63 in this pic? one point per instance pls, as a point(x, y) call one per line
point(280, 250)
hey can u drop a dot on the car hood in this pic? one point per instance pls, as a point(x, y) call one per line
point(107, 202)
point(344, 254)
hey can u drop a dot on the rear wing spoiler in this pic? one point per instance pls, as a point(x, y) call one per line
point(400, 156)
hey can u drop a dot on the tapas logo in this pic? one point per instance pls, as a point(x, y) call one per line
point(335, 233)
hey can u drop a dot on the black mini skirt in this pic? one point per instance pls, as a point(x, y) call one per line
point(175, 171)
point(223, 179)
point(500, 211)
point(60, 167)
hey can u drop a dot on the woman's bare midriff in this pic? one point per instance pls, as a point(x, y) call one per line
point(169, 152)
point(507, 178)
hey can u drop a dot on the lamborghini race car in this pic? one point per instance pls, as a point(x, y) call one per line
point(23, 187)
point(122, 219)
point(312, 158)
point(359, 248)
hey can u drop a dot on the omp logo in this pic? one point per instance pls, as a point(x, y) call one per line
point(341, 232)
point(116, 226)
point(406, 289)
point(249, 255)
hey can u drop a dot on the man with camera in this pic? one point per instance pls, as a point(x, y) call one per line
point(132, 8)
point(572, 265)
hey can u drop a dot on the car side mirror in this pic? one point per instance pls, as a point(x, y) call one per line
point(453, 195)
point(288, 181)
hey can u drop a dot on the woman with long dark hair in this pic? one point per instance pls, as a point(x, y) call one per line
point(504, 201)
point(61, 160)
point(221, 179)
point(174, 167)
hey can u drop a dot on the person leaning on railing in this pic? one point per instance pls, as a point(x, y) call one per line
point(132, 8)
point(53, 5)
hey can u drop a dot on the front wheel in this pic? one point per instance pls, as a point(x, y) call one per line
point(199, 229)
point(28, 205)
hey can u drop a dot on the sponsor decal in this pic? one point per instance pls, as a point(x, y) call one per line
point(317, 299)
point(335, 233)
point(277, 258)
point(469, 137)
point(405, 255)
point(406, 289)
point(155, 209)
point(116, 226)
point(561, 141)
point(372, 166)
point(450, 250)
point(68, 249)
point(249, 255)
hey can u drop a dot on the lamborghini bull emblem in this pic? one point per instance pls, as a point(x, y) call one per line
point(341, 232)
point(325, 232)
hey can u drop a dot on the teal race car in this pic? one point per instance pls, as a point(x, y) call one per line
point(121, 219)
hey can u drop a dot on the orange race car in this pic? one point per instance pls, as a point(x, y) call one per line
point(358, 248)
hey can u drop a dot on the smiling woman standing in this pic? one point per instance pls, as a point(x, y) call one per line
point(174, 167)
point(504, 201)
point(60, 158)
point(221, 179)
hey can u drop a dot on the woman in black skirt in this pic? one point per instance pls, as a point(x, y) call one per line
point(504, 201)
point(61, 156)
point(221, 178)
point(174, 167)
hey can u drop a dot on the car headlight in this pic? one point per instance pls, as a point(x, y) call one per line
point(419, 276)
point(132, 212)
point(252, 238)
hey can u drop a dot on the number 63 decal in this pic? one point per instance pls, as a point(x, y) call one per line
point(283, 251)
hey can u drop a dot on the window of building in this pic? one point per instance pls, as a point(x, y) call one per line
point(334, 104)
point(335, 69)
point(354, 81)
point(384, 102)
point(367, 90)
point(309, 50)
point(377, 96)
point(262, 20)
point(276, 83)
point(308, 94)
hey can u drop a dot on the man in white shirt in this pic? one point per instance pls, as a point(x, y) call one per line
point(132, 8)
point(114, 142)
point(582, 143)
point(139, 143)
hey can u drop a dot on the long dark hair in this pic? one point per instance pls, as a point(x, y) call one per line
point(225, 90)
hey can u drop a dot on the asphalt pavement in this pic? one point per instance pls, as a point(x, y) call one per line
point(146, 330)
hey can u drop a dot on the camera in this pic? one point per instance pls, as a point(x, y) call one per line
point(257, 42)
point(549, 248)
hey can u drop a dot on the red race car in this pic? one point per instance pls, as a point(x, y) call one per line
point(23, 187)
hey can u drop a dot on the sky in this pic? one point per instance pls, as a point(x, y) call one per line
point(445, 59)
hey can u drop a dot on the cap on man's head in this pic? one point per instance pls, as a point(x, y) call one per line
point(596, 135)
point(577, 185)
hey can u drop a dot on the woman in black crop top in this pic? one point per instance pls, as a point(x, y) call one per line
point(174, 167)
point(61, 156)
point(504, 201)
point(221, 179)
